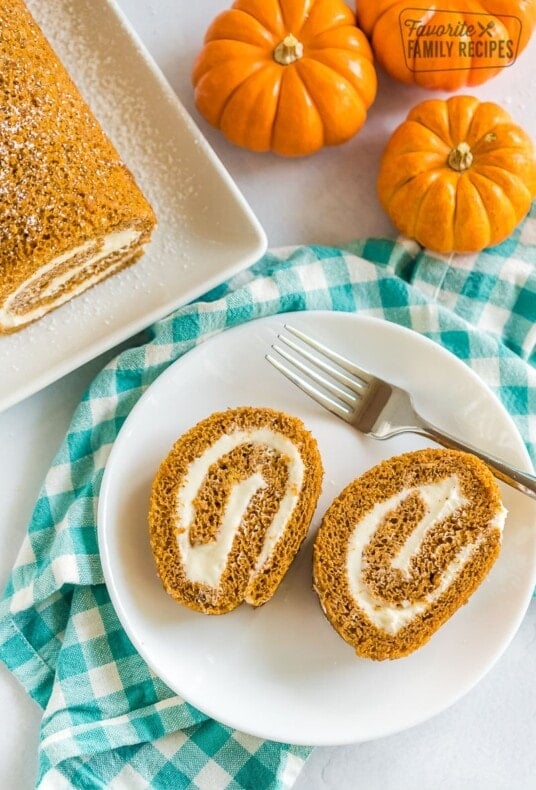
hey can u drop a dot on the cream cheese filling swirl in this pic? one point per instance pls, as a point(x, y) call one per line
point(404, 546)
point(65, 277)
point(205, 562)
point(442, 499)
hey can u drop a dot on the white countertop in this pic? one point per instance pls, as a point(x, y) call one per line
point(486, 740)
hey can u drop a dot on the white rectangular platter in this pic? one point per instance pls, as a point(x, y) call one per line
point(206, 230)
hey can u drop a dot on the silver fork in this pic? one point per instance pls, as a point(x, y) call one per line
point(373, 406)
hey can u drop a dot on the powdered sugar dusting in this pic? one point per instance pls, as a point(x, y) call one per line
point(119, 102)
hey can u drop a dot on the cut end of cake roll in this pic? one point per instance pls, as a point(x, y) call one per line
point(231, 505)
point(404, 546)
point(71, 212)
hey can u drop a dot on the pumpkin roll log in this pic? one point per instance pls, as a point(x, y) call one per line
point(230, 507)
point(71, 213)
point(404, 546)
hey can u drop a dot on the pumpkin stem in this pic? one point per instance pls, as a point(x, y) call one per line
point(288, 51)
point(460, 158)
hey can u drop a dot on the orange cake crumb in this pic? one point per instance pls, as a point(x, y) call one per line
point(404, 546)
point(231, 505)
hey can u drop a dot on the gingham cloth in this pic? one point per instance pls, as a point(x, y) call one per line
point(107, 720)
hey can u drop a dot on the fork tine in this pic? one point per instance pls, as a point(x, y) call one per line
point(331, 404)
point(329, 384)
point(335, 372)
point(343, 362)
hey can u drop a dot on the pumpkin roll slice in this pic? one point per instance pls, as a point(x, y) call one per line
point(231, 505)
point(404, 546)
point(71, 213)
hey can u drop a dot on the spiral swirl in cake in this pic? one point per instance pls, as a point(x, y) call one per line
point(231, 505)
point(404, 546)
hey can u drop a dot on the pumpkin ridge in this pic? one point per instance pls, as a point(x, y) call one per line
point(381, 14)
point(437, 201)
point(473, 179)
point(482, 165)
point(350, 45)
point(410, 233)
point(403, 141)
point(462, 113)
point(457, 223)
point(298, 69)
point(431, 132)
point(309, 80)
point(261, 67)
point(490, 135)
point(509, 149)
point(276, 113)
point(331, 69)
point(513, 168)
point(418, 207)
point(214, 55)
point(275, 25)
point(288, 25)
point(399, 184)
point(478, 172)
point(490, 116)
point(326, 15)
point(232, 25)
point(201, 91)
point(286, 75)
point(499, 132)
point(516, 182)
point(305, 61)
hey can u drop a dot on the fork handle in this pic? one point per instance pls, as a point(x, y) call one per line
point(522, 481)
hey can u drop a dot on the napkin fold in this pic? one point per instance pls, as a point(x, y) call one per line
point(108, 721)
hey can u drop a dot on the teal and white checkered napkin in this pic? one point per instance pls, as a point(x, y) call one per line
point(107, 720)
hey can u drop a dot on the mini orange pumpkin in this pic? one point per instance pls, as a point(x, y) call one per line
point(457, 175)
point(288, 76)
point(446, 45)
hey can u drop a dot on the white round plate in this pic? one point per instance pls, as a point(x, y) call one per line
point(280, 671)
